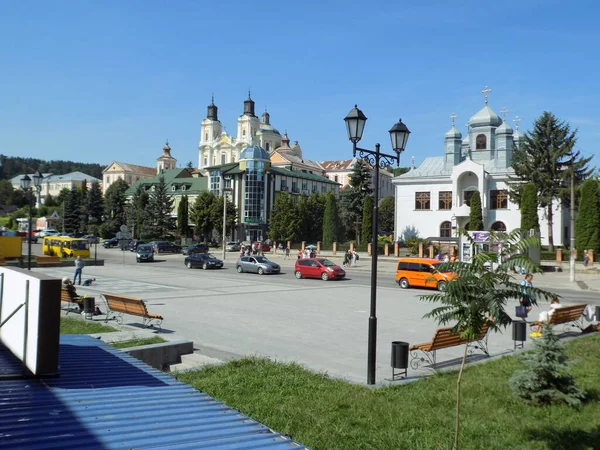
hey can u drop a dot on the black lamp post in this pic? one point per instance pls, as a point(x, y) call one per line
point(26, 186)
point(355, 124)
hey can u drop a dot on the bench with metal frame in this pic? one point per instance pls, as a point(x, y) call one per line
point(570, 316)
point(72, 299)
point(445, 338)
point(119, 305)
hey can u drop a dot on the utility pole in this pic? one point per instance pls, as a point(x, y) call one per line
point(572, 227)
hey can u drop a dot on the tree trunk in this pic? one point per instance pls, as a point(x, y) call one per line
point(457, 424)
point(550, 223)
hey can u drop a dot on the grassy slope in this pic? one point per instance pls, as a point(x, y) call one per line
point(331, 414)
point(76, 326)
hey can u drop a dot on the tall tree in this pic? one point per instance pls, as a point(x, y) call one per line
point(183, 217)
point(545, 159)
point(367, 221)
point(283, 222)
point(71, 211)
point(135, 211)
point(587, 227)
point(387, 210)
point(217, 216)
point(529, 208)
point(360, 177)
point(202, 216)
point(158, 211)
point(311, 210)
point(476, 216)
point(331, 221)
point(115, 208)
point(95, 207)
point(83, 211)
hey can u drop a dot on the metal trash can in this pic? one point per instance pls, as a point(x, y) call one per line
point(399, 359)
point(89, 306)
point(519, 333)
point(597, 313)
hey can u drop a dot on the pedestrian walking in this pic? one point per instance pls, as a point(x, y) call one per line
point(354, 258)
point(78, 270)
point(346, 261)
point(287, 253)
point(300, 253)
point(586, 258)
point(527, 298)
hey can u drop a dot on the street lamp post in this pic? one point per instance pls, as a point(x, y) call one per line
point(355, 125)
point(26, 186)
point(225, 178)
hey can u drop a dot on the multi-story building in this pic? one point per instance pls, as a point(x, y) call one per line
point(340, 171)
point(52, 184)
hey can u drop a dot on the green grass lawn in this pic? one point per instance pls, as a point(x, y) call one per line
point(70, 325)
point(137, 342)
point(327, 414)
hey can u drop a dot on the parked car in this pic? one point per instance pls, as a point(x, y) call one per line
point(144, 252)
point(263, 246)
point(31, 236)
point(166, 247)
point(109, 243)
point(318, 268)
point(257, 264)
point(133, 245)
point(92, 239)
point(195, 248)
point(204, 260)
point(421, 272)
point(233, 247)
point(47, 232)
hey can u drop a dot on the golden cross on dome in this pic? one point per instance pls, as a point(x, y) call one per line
point(485, 92)
point(453, 116)
point(516, 120)
point(504, 111)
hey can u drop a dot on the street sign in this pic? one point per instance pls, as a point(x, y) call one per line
point(123, 228)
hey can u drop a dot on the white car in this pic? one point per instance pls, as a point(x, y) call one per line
point(47, 232)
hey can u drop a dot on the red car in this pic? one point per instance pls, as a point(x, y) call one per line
point(318, 268)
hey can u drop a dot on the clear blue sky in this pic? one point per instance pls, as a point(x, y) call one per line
point(97, 81)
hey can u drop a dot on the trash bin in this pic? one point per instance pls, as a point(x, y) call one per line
point(597, 313)
point(519, 333)
point(89, 305)
point(399, 359)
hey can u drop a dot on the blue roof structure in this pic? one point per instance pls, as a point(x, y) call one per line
point(106, 399)
point(254, 152)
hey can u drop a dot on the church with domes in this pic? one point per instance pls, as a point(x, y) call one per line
point(435, 197)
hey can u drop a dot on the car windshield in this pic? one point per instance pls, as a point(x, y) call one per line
point(441, 267)
point(326, 262)
point(201, 255)
point(261, 259)
point(144, 248)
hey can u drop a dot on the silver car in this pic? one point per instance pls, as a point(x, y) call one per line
point(257, 264)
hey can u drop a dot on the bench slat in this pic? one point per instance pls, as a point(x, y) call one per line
point(129, 305)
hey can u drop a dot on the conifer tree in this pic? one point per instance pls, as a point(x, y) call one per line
point(387, 208)
point(284, 222)
point(95, 207)
point(330, 221)
point(115, 200)
point(183, 217)
point(476, 216)
point(587, 227)
point(201, 214)
point(71, 211)
point(158, 211)
point(367, 222)
point(529, 208)
point(135, 212)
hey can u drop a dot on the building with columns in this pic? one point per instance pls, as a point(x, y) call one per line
point(435, 197)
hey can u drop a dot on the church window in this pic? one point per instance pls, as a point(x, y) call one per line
point(499, 226)
point(445, 200)
point(467, 196)
point(446, 229)
point(223, 158)
point(423, 200)
point(243, 132)
point(481, 142)
point(335, 178)
point(498, 199)
point(206, 136)
point(267, 146)
point(205, 163)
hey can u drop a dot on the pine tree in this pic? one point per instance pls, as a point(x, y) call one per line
point(587, 227)
point(547, 380)
point(115, 208)
point(367, 222)
point(95, 207)
point(201, 214)
point(352, 197)
point(387, 210)
point(284, 223)
point(330, 221)
point(71, 211)
point(545, 160)
point(183, 217)
point(158, 211)
point(476, 216)
point(135, 212)
point(529, 208)
point(217, 216)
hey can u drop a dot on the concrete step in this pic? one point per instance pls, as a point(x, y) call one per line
point(194, 361)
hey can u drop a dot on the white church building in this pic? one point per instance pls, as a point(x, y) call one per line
point(435, 197)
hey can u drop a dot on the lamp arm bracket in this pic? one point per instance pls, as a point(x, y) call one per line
point(377, 158)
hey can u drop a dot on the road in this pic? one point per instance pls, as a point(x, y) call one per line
point(322, 325)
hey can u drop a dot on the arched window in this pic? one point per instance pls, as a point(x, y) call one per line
point(206, 136)
point(446, 229)
point(223, 158)
point(481, 142)
point(243, 132)
point(267, 146)
point(499, 226)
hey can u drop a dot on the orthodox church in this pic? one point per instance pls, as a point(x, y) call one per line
point(435, 197)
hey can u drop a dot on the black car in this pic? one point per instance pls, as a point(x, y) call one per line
point(195, 248)
point(133, 245)
point(204, 260)
point(166, 247)
point(112, 242)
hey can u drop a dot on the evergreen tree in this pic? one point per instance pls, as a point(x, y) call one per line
point(587, 227)
point(60, 198)
point(387, 210)
point(49, 201)
point(311, 210)
point(283, 223)
point(476, 216)
point(352, 197)
point(529, 208)
point(360, 177)
point(115, 201)
point(94, 205)
point(183, 217)
point(71, 211)
point(545, 160)
point(82, 193)
point(217, 216)
point(367, 222)
point(135, 211)
point(331, 221)
point(202, 216)
point(158, 211)
point(547, 380)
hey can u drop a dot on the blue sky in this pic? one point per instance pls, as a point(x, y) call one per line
point(97, 81)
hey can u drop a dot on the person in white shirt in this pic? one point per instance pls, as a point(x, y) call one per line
point(545, 316)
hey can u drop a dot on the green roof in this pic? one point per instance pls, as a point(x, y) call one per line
point(174, 177)
point(302, 175)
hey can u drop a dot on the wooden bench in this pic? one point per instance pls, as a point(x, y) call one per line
point(571, 315)
point(72, 299)
point(445, 338)
point(119, 305)
point(47, 260)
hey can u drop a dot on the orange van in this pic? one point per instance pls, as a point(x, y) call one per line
point(421, 272)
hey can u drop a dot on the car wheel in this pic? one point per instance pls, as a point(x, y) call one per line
point(441, 286)
point(239, 269)
point(189, 265)
point(205, 266)
point(137, 260)
point(261, 271)
point(324, 276)
point(403, 283)
point(298, 274)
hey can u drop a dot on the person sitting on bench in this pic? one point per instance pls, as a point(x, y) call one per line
point(70, 288)
point(545, 316)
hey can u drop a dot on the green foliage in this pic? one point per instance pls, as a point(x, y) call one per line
point(183, 217)
point(367, 220)
point(202, 215)
point(71, 211)
point(548, 379)
point(400, 171)
point(157, 215)
point(331, 221)
point(587, 226)
point(352, 198)
point(529, 208)
point(284, 224)
point(10, 224)
point(135, 212)
point(62, 195)
point(77, 326)
point(412, 244)
point(115, 208)
point(217, 216)
point(310, 210)
point(409, 232)
point(138, 342)
point(476, 215)
point(11, 196)
point(14, 165)
point(387, 211)
point(94, 206)
point(360, 177)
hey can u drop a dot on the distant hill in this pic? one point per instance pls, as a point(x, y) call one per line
point(14, 165)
